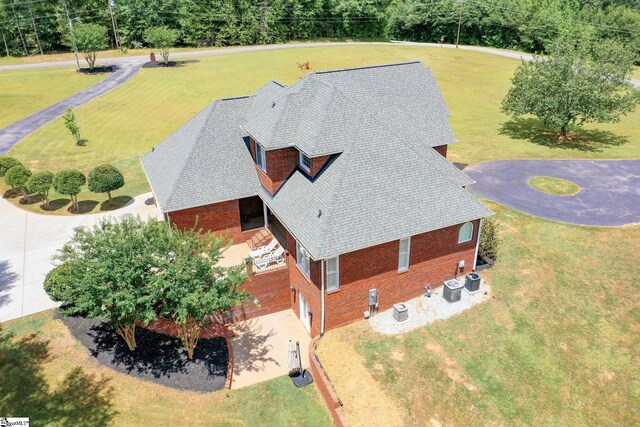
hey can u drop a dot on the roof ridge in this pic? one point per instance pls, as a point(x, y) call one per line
point(365, 67)
point(213, 106)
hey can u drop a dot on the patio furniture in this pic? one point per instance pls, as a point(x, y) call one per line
point(277, 257)
point(264, 250)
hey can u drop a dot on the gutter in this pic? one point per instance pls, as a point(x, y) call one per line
point(475, 259)
point(322, 264)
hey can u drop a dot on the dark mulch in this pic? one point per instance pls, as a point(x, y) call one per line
point(158, 357)
point(98, 69)
point(160, 64)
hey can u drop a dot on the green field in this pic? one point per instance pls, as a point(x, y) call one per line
point(125, 123)
point(552, 185)
point(23, 92)
point(50, 377)
point(556, 345)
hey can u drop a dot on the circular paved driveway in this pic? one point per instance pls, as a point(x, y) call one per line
point(609, 189)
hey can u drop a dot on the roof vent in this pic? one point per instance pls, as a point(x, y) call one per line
point(274, 104)
point(319, 213)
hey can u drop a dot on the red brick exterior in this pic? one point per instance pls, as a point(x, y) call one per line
point(442, 149)
point(280, 164)
point(272, 291)
point(318, 163)
point(222, 218)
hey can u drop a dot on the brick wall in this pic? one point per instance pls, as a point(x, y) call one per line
point(272, 291)
point(318, 163)
point(442, 149)
point(222, 218)
point(434, 258)
point(280, 164)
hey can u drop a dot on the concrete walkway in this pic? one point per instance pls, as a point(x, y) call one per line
point(27, 243)
point(609, 189)
point(260, 347)
point(10, 135)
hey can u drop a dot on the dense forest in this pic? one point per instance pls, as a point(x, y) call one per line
point(29, 27)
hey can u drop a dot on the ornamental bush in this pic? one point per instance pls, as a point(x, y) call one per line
point(7, 163)
point(69, 182)
point(17, 177)
point(40, 183)
point(105, 179)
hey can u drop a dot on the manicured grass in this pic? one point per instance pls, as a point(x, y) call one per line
point(23, 92)
point(552, 185)
point(557, 345)
point(125, 123)
point(48, 376)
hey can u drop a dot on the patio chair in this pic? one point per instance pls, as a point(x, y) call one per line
point(276, 258)
point(264, 250)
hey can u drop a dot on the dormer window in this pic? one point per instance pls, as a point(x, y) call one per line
point(261, 159)
point(305, 162)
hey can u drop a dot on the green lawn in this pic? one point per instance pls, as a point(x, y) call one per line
point(48, 376)
point(23, 92)
point(557, 345)
point(123, 124)
point(552, 185)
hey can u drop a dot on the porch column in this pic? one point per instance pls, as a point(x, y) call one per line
point(266, 217)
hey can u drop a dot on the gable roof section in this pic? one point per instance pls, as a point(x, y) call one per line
point(205, 161)
point(373, 193)
point(317, 114)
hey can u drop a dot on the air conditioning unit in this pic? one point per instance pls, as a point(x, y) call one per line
point(472, 282)
point(400, 312)
point(452, 291)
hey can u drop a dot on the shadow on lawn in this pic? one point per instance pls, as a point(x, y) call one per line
point(533, 130)
point(116, 203)
point(84, 206)
point(80, 399)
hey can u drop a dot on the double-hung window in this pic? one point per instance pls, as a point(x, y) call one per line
point(305, 162)
point(303, 260)
point(403, 255)
point(261, 158)
point(333, 274)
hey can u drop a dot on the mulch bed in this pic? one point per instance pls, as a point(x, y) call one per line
point(98, 69)
point(158, 357)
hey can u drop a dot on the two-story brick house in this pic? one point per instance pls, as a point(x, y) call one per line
point(348, 169)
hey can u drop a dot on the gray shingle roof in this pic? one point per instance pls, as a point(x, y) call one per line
point(318, 113)
point(205, 161)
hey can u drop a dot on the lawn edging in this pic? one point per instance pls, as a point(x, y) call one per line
point(325, 386)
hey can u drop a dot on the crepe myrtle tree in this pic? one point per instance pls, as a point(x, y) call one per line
point(7, 163)
point(105, 272)
point(105, 179)
point(190, 286)
point(89, 38)
point(161, 38)
point(69, 182)
point(580, 82)
point(71, 123)
point(17, 177)
point(40, 183)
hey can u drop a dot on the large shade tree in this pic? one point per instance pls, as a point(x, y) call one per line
point(580, 82)
point(104, 273)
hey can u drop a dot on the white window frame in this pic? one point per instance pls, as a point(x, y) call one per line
point(333, 286)
point(303, 260)
point(261, 157)
point(405, 266)
point(301, 162)
point(463, 239)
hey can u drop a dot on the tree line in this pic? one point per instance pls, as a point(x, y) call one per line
point(30, 27)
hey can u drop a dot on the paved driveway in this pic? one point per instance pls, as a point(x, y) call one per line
point(609, 194)
point(27, 243)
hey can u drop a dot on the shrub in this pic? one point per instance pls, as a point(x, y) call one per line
point(161, 38)
point(17, 177)
point(7, 163)
point(105, 179)
point(489, 239)
point(69, 182)
point(40, 183)
point(89, 39)
point(72, 126)
point(60, 282)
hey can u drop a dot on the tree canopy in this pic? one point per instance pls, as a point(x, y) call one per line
point(40, 183)
point(17, 176)
point(7, 163)
point(580, 82)
point(105, 179)
point(90, 38)
point(161, 38)
point(69, 182)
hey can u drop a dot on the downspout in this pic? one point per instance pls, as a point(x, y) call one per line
point(322, 298)
point(475, 259)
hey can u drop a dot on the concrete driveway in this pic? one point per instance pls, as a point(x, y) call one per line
point(27, 243)
point(609, 189)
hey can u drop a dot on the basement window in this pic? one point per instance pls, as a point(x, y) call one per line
point(305, 162)
point(261, 158)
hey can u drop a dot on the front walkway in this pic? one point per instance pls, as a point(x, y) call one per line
point(27, 243)
point(260, 347)
point(609, 189)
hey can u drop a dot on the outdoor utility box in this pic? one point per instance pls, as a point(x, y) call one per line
point(400, 312)
point(373, 297)
point(452, 291)
point(472, 282)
